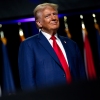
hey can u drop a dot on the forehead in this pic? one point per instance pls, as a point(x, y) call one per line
point(49, 9)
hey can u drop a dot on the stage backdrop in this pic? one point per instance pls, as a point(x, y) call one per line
point(20, 8)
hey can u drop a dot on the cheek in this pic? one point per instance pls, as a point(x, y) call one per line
point(59, 24)
point(46, 21)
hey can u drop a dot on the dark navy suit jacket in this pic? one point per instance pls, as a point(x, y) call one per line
point(39, 66)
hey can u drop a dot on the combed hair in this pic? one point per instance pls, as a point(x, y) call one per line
point(42, 6)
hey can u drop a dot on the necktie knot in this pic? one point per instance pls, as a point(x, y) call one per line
point(53, 38)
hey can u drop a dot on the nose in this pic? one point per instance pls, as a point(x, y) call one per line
point(53, 16)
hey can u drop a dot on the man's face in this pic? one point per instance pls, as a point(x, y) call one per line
point(49, 20)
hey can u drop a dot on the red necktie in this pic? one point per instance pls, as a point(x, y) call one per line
point(62, 59)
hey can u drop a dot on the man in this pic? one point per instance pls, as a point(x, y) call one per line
point(39, 59)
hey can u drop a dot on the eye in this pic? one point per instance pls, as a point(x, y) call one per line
point(48, 15)
point(55, 13)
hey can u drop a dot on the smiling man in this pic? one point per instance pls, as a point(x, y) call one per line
point(47, 59)
point(47, 18)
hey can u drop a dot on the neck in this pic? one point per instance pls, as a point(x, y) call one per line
point(51, 32)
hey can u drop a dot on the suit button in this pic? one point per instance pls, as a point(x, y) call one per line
point(64, 75)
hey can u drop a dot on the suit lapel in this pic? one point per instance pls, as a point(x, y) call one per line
point(44, 42)
point(67, 50)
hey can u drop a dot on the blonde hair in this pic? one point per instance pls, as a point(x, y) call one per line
point(42, 6)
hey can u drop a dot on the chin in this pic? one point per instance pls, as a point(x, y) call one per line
point(55, 28)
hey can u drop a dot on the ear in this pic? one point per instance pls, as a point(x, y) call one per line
point(38, 23)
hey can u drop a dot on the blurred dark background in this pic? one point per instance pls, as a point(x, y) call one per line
point(13, 10)
point(22, 8)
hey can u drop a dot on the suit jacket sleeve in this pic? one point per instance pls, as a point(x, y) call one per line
point(26, 63)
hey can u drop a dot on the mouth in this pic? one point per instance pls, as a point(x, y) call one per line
point(54, 22)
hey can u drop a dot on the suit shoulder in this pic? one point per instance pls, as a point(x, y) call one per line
point(31, 38)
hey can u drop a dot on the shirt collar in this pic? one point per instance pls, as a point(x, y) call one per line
point(48, 36)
